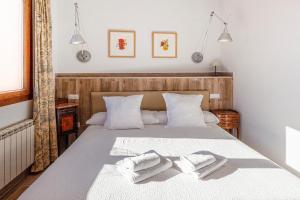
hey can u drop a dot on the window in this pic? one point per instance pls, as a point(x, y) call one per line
point(15, 51)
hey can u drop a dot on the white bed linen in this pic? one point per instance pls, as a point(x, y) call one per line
point(86, 170)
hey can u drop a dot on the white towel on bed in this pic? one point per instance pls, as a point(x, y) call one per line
point(141, 162)
point(193, 162)
point(135, 177)
point(205, 171)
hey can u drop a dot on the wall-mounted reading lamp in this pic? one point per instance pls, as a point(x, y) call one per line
point(77, 39)
point(197, 57)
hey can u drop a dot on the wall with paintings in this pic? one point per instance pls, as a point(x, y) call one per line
point(188, 18)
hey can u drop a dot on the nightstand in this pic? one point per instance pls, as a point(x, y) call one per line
point(229, 120)
point(67, 123)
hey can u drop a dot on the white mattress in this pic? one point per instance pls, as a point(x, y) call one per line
point(86, 170)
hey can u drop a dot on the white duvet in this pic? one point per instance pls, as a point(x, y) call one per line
point(86, 170)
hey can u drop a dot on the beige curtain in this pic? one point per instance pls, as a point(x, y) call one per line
point(44, 89)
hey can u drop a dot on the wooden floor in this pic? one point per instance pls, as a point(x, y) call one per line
point(22, 186)
point(26, 182)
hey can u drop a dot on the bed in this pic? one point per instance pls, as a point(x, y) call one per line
point(86, 170)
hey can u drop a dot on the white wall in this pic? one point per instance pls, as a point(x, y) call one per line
point(15, 113)
point(187, 18)
point(265, 60)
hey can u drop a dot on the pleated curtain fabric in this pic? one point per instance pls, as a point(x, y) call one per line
point(44, 88)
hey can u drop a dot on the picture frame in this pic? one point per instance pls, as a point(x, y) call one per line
point(164, 44)
point(121, 43)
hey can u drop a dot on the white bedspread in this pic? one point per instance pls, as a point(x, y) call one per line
point(86, 170)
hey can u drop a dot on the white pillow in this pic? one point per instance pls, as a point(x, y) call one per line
point(154, 117)
point(123, 112)
point(149, 117)
point(162, 117)
point(97, 119)
point(210, 118)
point(184, 110)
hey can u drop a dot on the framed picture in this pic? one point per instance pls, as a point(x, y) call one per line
point(164, 45)
point(121, 44)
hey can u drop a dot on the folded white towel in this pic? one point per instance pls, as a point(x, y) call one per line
point(141, 162)
point(205, 171)
point(144, 174)
point(115, 151)
point(193, 162)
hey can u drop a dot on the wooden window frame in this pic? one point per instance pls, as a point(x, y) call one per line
point(11, 97)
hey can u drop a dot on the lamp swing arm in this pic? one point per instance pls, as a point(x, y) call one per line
point(212, 15)
point(206, 34)
point(197, 57)
point(77, 23)
point(77, 39)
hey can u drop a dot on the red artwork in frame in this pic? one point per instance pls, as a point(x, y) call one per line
point(121, 43)
point(67, 123)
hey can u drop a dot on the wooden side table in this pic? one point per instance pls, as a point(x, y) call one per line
point(67, 123)
point(229, 120)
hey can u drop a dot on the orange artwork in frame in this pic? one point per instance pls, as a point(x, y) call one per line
point(164, 44)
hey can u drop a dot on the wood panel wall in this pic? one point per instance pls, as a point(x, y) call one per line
point(84, 84)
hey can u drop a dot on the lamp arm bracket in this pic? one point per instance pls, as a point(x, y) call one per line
point(197, 57)
point(214, 14)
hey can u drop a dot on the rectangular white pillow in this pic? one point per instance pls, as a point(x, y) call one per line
point(123, 112)
point(151, 118)
point(162, 118)
point(210, 118)
point(97, 119)
point(148, 117)
point(184, 110)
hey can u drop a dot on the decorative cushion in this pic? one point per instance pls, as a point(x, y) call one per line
point(123, 112)
point(184, 110)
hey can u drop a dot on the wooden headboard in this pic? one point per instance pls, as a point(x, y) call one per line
point(85, 84)
point(152, 100)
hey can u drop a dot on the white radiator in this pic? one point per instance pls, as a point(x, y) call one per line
point(16, 150)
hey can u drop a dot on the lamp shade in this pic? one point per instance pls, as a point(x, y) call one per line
point(225, 36)
point(77, 39)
